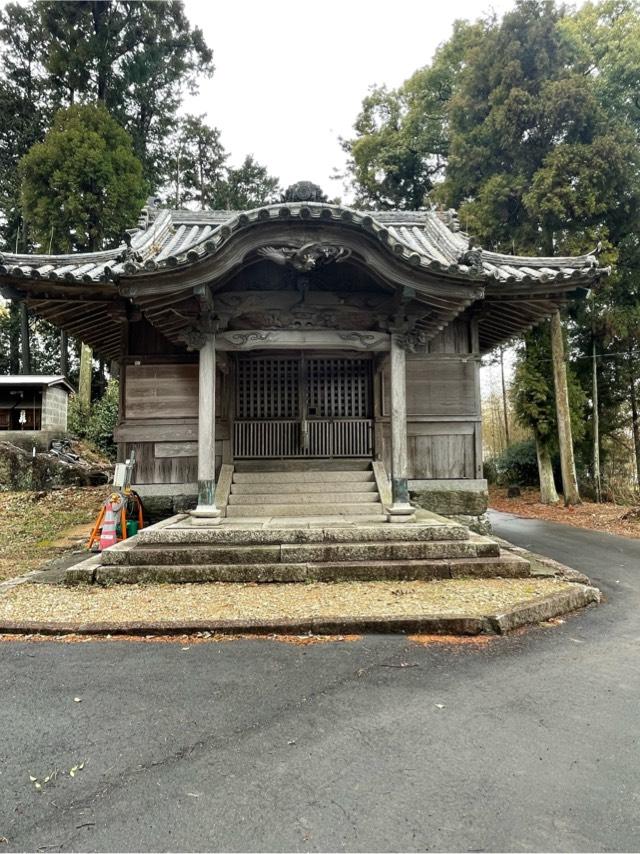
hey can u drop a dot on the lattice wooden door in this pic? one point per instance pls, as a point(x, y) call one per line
point(300, 406)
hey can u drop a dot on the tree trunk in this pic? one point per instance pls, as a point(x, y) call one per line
point(84, 382)
point(25, 348)
point(548, 493)
point(596, 424)
point(14, 337)
point(635, 415)
point(102, 378)
point(505, 408)
point(64, 353)
point(567, 462)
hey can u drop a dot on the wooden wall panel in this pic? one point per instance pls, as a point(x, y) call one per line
point(161, 391)
point(443, 456)
point(152, 468)
point(436, 449)
point(438, 388)
point(454, 339)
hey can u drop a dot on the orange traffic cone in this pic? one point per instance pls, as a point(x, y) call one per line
point(108, 534)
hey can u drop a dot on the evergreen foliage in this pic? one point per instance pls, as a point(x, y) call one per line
point(529, 126)
point(516, 465)
point(199, 174)
point(196, 164)
point(246, 187)
point(533, 394)
point(82, 185)
point(97, 422)
point(137, 57)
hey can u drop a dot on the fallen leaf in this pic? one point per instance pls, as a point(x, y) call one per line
point(32, 778)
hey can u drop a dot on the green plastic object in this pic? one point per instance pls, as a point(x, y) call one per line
point(132, 527)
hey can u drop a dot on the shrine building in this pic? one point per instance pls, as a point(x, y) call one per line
point(296, 338)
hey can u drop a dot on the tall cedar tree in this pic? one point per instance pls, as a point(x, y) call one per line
point(138, 57)
point(532, 133)
point(82, 186)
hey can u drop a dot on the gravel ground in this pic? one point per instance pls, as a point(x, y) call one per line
point(190, 602)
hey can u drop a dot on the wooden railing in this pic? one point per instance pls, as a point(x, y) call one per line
point(325, 437)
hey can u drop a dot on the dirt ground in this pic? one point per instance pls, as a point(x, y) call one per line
point(38, 526)
point(212, 601)
point(605, 517)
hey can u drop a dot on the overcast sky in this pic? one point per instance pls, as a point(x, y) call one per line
point(291, 75)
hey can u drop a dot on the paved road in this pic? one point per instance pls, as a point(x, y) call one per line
point(258, 745)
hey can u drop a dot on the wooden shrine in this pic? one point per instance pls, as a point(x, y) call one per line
point(300, 331)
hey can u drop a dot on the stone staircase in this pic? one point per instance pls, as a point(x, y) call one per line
point(304, 488)
point(429, 548)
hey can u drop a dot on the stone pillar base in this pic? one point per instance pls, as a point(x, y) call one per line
point(401, 513)
point(205, 516)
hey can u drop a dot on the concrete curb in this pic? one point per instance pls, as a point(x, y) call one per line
point(527, 613)
point(535, 611)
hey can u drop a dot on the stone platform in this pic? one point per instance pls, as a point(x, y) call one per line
point(298, 549)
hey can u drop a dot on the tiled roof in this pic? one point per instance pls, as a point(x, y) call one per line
point(429, 240)
point(35, 380)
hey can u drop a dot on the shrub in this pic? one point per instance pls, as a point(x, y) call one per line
point(103, 419)
point(517, 464)
point(97, 424)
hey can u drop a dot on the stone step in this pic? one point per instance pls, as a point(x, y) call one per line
point(409, 570)
point(286, 497)
point(301, 553)
point(299, 509)
point(303, 465)
point(296, 489)
point(227, 535)
point(302, 476)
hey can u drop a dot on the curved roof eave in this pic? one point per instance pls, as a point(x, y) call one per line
point(429, 247)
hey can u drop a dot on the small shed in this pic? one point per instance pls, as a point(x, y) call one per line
point(34, 402)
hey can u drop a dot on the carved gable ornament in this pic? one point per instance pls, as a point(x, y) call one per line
point(305, 258)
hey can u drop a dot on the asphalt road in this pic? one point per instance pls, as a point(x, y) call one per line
point(260, 745)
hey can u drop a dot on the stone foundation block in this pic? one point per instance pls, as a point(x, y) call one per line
point(451, 497)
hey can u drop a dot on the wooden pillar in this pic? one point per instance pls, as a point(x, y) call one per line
point(400, 510)
point(206, 508)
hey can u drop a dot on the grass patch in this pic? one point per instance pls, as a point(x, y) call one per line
point(33, 525)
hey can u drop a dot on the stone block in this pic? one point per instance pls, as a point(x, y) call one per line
point(452, 502)
point(462, 499)
point(193, 555)
point(478, 524)
point(158, 507)
point(502, 567)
